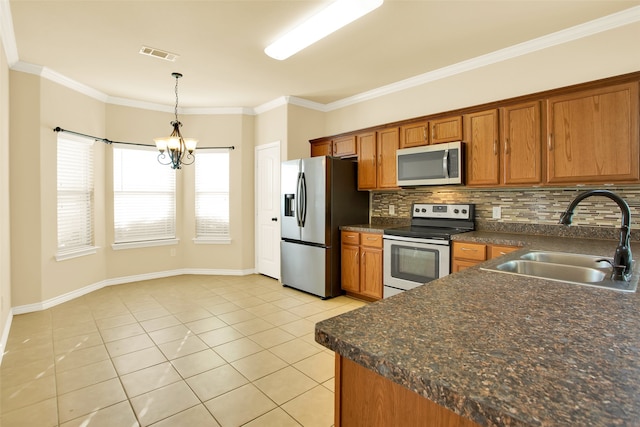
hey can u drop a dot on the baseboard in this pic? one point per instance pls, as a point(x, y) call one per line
point(5, 334)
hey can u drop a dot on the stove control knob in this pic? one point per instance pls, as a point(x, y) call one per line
point(424, 210)
point(417, 209)
point(464, 211)
point(455, 211)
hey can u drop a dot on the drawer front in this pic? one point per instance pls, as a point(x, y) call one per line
point(474, 251)
point(371, 239)
point(497, 250)
point(350, 238)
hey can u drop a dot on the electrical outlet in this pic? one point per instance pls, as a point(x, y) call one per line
point(497, 212)
point(392, 209)
point(173, 251)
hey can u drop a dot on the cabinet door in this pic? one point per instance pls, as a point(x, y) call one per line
point(448, 129)
point(593, 136)
point(367, 161)
point(483, 158)
point(414, 134)
point(461, 264)
point(345, 146)
point(371, 272)
point(350, 268)
point(321, 148)
point(387, 147)
point(522, 144)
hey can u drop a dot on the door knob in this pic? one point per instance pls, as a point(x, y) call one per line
point(274, 219)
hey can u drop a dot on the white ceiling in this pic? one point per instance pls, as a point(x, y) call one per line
point(220, 44)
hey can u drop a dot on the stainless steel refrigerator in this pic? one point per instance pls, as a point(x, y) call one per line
point(319, 194)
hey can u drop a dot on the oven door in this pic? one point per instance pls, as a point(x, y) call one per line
point(411, 262)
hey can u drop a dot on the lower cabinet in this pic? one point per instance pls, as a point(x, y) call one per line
point(362, 264)
point(468, 254)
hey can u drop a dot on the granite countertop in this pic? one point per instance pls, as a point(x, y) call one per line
point(505, 350)
point(364, 228)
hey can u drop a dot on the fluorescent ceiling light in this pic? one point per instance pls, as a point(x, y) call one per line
point(332, 18)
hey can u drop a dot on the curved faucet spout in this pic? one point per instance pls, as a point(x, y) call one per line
point(622, 258)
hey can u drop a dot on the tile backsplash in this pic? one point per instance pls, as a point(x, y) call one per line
point(530, 206)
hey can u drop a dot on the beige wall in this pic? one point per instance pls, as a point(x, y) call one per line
point(5, 237)
point(303, 124)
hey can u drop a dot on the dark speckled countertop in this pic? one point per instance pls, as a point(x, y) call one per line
point(506, 350)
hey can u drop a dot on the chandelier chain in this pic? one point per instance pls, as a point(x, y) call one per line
point(176, 107)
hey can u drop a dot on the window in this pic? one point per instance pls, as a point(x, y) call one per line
point(212, 197)
point(144, 198)
point(75, 197)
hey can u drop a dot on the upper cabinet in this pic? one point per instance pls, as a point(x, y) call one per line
point(377, 159)
point(520, 133)
point(321, 148)
point(344, 146)
point(434, 131)
point(483, 153)
point(593, 136)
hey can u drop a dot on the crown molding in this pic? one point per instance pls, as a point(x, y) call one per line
point(609, 22)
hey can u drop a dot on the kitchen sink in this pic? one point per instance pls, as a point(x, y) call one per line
point(586, 270)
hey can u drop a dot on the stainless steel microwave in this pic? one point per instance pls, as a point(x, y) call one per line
point(438, 164)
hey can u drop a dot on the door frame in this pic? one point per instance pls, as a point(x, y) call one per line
point(256, 201)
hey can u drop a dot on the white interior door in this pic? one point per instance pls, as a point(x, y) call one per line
point(268, 209)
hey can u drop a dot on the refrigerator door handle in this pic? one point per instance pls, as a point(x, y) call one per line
point(303, 202)
point(299, 200)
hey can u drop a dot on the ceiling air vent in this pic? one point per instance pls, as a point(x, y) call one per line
point(157, 53)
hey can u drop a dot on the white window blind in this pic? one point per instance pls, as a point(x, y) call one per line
point(75, 195)
point(212, 196)
point(144, 196)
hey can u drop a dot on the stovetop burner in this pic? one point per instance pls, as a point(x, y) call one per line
point(439, 222)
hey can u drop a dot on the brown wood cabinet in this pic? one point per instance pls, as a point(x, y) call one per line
point(362, 264)
point(414, 134)
point(521, 143)
point(447, 129)
point(321, 148)
point(345, 146)
point(593, 136)
point(364, 398)
point(468, 254)
point(483, 153)
point(377, 159)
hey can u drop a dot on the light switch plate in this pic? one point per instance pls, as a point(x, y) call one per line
point(392, 209)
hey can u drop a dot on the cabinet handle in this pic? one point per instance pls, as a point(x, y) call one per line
point(363, 259)
point(549, 143)
point(495, 147)
point(357, 258)
point(469, 249)
point(372, 238)
point(424, 133)
point(506, 146)
point(433, 133)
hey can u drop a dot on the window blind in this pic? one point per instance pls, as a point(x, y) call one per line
point(75, 194)
point(144, 196)
point(212, 195)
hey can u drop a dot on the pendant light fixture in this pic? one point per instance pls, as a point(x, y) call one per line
point(174, 149)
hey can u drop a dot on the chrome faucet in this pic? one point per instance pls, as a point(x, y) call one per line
point(622, 259)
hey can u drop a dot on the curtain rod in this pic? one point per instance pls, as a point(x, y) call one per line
point(109, 142)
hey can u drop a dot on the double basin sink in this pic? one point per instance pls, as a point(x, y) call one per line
point(587, 270)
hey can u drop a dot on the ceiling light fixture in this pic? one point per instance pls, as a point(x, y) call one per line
point(332, 18)
point(179, 150)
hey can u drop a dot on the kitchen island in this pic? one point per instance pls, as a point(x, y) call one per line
point(497, 349)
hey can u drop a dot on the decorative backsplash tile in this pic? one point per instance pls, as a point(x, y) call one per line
point(532, 206)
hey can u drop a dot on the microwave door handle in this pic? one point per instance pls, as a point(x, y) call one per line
point(445, 164)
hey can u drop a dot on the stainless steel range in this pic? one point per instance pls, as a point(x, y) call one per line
point(417, 254)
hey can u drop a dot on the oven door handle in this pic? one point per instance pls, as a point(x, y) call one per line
point(416, 240)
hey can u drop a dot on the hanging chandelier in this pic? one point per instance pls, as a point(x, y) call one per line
point(174, 149)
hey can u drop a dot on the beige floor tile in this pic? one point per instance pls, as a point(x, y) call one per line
point(83, 328)
point(320, 367)
point(89, 399)
point(276, 417)
point(258, 365)
point(23, 373)
point(248, 302)
point(163, 402)
point(222, 308)
point(220, 336)
point(128, 345)
point(306, 310)
point(287, 303)
point(73, 379)
point(76, 343)
point(237, 349)
point(172, 333)
point(281, 318)
point(30, 354)
point(17, 342)
point(119, 414)
point(121, 332)
point(313, 408)
point(263, 309)
point(330, 385)
point(197, 363)
point(41, 414)
point(192, 314)
point(137, 360)
point(28, 393)
point(148, 379)
point(182, 347)
point(294, 351)
point(159, 323)
point(237, 316)
point(300, 327)
point(240, 406)
point(153, 313)
point(206, 324)
point(112, 322)
point(82, 357)
point(109, 311)
point(198, 416)
point(215, 382)
point(285, 384)
point(253, 326)
point(271, 337)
